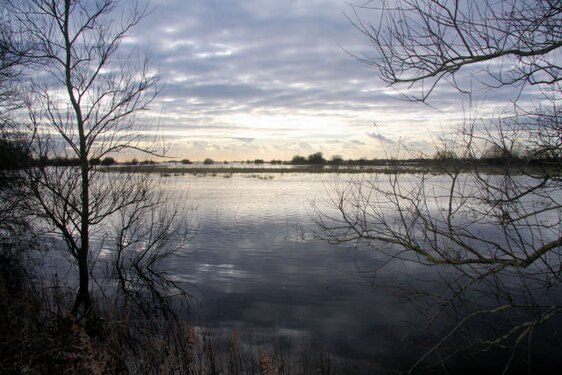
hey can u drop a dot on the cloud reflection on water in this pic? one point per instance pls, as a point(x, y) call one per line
point(257, 267)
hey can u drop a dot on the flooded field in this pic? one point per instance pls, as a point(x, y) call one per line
point(255, 266)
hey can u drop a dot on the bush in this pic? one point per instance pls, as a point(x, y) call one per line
point(336, 160)
point(297, 159)
point(108, 161)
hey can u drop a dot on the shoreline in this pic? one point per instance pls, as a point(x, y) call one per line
point(423, 168)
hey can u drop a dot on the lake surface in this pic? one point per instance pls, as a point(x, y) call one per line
point(255, 266)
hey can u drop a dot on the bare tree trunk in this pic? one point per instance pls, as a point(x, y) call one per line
point(83, 298)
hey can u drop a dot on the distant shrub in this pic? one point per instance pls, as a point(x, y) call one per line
point(186, 161)
point(336, 160)
point(108, 161)
point(208, 161)
point(316, 158)
point(445, 155)
point(297, 159)
point(258, 161)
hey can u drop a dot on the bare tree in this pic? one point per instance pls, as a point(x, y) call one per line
point(420, 43)
point(490, 228)
point(13, 152)
point(86, 88)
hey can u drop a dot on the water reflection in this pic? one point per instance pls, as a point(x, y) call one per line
point(257, 267)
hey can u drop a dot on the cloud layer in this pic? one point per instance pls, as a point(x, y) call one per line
point(270, 79)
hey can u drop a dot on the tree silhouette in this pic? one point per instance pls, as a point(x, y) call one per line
point(491, 233)
point(84, 91)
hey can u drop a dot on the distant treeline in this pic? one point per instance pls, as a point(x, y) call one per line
point(13, 155)
point(15, 161)
point(439, 159)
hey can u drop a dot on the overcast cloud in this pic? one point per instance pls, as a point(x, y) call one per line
point(269, 79)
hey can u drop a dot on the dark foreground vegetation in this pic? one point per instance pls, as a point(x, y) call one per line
point(39, 335)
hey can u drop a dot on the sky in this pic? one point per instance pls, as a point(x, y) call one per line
point(270, 79)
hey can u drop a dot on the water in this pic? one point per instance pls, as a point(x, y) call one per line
point(256, 266)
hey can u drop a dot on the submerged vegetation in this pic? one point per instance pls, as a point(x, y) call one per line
point(379, 166)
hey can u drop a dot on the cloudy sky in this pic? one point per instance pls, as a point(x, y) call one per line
point(269, 79)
